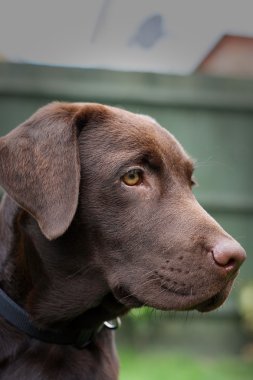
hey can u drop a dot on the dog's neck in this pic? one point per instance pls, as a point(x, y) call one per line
point(36, 273)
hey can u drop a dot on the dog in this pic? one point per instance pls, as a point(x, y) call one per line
point(98, 217)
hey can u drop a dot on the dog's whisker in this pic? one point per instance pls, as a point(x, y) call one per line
point(138, 288)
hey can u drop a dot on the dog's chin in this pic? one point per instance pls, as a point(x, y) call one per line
point(175, 302)
point(215, 301)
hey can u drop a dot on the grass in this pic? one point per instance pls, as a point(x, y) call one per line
point(165, 366)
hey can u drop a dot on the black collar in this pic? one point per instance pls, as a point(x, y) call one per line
point(19, 318)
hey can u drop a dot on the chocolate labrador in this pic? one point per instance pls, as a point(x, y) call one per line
point(98, 218)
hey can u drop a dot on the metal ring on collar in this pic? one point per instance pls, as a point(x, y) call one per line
point(113, 324)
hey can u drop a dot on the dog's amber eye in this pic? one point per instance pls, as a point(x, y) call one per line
point(132, 178)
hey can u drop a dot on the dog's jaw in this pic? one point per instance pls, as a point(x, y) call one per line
point(168, 300)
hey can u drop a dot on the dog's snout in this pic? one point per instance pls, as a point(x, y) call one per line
point(229, 254)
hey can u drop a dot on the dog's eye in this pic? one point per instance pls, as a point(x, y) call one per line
point(133, 177)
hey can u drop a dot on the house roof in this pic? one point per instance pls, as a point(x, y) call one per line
point(232, 55)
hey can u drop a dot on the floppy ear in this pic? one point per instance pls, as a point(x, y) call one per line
point(40, 169)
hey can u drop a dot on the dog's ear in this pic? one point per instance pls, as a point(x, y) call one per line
point(40, 168)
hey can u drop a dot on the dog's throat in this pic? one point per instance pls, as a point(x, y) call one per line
point(20, 319)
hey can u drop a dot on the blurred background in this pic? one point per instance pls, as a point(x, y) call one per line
point(189, 64)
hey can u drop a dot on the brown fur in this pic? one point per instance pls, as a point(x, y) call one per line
point(78, 246)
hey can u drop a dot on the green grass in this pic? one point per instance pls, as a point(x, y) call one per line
point(166, 366)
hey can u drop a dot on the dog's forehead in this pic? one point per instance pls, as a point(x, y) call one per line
point(142, 133)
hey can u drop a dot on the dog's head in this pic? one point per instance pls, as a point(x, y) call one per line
point(127, 183)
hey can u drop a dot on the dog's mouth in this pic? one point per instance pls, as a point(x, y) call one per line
point(174, 300)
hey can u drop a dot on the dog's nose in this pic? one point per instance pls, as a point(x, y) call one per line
point(229, 254)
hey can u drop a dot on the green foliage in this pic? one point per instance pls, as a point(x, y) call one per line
point(246, 305)
point(165, 366)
